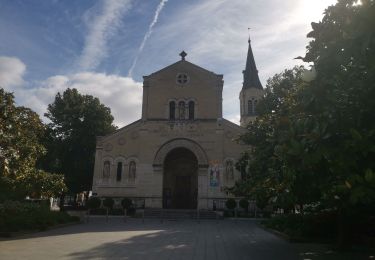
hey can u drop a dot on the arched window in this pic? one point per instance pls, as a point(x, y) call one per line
point(119, 171)
point(106, 169)
point(255, 107)
point(181, 110)
point(191, 110)
point(229, 171)
point(132, 172)
point(250, 107)
point(172, 110)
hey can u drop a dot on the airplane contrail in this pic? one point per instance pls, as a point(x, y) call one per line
point(147, 35)
point(101, 29)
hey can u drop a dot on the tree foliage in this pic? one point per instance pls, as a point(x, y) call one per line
point(314, 140)
point(43, 184)
point(76, 121)
point(231, 204)
point(20, 132)
point(342, 101)
point(126, 203)
point(108, 203)
point(267, 135)
point(94, 203)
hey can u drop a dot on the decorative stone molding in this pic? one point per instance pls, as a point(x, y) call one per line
point(180, 143)
point(134, 135)
point(108, 158)
point(121, 141)
point(120, 158)
point(229, 134)
point(108, 147)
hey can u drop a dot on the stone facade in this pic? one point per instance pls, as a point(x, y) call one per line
point(248, 101)
point(181, 119)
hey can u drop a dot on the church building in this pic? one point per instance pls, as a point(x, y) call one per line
point(181, 154)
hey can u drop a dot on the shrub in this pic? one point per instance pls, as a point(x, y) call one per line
point(103, 211)
point(322, 225)
point(94, 203)
point(231, 204)
point(98, 211)
point(126, 203)
point(18, 216)
point(108, 203)
point(244, 203)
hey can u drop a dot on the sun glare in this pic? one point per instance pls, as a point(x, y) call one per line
point(312, 10)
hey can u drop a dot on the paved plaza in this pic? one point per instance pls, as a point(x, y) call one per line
point(179, 239)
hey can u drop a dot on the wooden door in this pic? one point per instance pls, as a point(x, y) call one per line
point(182, 196)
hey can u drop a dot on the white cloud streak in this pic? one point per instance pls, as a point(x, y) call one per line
point(147, 35)
point(101, 29)
point(215, 36)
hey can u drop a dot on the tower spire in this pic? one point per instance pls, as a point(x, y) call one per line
point(252, 90)
point(250, 74)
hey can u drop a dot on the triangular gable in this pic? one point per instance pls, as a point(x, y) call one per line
point(185, 63)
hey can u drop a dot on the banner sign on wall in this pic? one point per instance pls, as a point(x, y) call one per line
point(214, 173)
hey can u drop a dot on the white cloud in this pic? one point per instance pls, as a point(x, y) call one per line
point(122, 94)
point(214, 33)
point(234, 119)
point(101, 27)
point(11, 72)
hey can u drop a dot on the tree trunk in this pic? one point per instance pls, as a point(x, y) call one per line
point(61, 202)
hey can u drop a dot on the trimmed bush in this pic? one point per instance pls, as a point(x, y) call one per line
point(108, 203)
point(20, 216)
point(94, 203)
point(244, 204)
point(322, 225)
point(126, 203)
point(231, 204)
point(114, 211)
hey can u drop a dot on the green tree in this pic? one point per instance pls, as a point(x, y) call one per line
point(42, 184)
point(108, 203)
point(94, 203)
point(315, 142)
point(126, 203)
point(265, 176)
point(20, 132)
point(340, 105)
point(76, 121)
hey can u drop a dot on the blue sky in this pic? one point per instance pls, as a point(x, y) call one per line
point(104, 47)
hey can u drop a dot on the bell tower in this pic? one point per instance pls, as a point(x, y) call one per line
point(251, 91)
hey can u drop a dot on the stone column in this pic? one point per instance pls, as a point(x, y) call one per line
point(145, 98)
point(202, 187)
point(157, 191)
point(97, 176)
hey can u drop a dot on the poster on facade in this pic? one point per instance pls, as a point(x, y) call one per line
point(214, 174)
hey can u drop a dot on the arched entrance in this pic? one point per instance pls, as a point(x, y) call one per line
point(180, 179)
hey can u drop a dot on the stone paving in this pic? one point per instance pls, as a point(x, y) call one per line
point(179, 239)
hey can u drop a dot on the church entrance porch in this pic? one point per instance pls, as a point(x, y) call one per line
point(180, 179)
